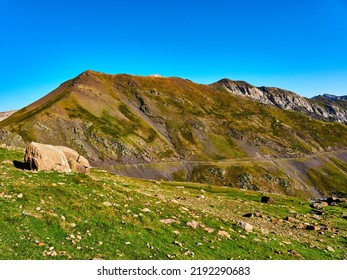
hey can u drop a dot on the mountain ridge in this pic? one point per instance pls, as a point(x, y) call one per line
point(116, 120)
point(288, 100)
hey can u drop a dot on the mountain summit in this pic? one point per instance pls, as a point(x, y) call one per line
point(173, 128)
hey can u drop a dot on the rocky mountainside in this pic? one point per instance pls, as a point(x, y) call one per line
point(5, 115)
point(326, 107)
point(175, 129)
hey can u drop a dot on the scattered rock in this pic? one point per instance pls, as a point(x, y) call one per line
point(319, 205)
point(295, 254)
point(146, 210)
point(317, 212)
point(223, 233)
point(20, 195)
point(178, 244)
point(208, 229)
point(107, 204)
point(245, 226)
point(313, 227)
point(267, 199)
point(169, 221)
point(315, 216)
point(160, 196)
point(193, 224)
point(330, 249)
point(289, 219)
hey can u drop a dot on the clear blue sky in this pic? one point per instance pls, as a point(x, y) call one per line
point(296, 45)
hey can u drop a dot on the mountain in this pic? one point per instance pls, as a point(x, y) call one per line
point(331, 97)
point(175, 129)
point(326, 107)
point(5, 115)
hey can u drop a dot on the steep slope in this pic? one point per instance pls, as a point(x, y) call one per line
point(321, 108)
point(123, 119)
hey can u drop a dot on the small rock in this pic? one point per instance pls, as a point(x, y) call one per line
point(330, 249)
point(107, 204)
point(193, 224)
point(160, 196)
point(146, 210)
point(312, 227)
point(127, 243)
point(295, 254)
point(169, 221)
point(245, 226)
point(317, 212)
point(315, 216)
point(178, 243)
point(208, 229)
point(20, 195)
point(223, 233)
point(319, 205)
point(289, 219)
point(38, 208)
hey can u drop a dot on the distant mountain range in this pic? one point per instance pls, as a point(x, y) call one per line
point(5, 115)
point(227, 133)
point(331, 97)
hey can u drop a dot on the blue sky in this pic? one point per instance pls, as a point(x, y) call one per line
point(296, 45)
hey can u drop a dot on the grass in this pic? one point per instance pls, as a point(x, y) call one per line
point(50, 215)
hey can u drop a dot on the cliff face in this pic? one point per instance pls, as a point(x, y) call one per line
point(322, 108)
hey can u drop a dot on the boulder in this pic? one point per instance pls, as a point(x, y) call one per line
point(76, 162)
point(54, 158)
point(45, 157)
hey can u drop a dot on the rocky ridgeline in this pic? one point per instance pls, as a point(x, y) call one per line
point(286, 100)
point(54, 158)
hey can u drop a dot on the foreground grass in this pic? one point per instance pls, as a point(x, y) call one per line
point(50, 215)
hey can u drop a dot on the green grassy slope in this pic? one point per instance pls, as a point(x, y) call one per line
point(49, 215)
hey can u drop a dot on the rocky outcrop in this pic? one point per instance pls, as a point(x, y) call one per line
point(54, 158)
point(287, 100)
